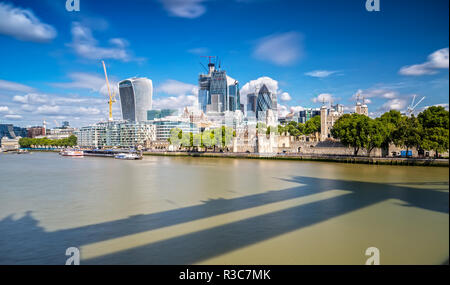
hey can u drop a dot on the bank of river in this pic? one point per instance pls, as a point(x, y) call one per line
point(322, 158)
point(185, 210)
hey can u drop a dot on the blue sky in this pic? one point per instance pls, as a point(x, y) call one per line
point(306, 51)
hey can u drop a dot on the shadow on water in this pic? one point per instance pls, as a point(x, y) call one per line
point(23, 241)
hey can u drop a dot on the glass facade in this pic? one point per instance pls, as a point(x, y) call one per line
point(159, 114)
point(164, 127)
point(116, 134)
point(136, 98)
point(251, 102)
point(218, 92)
point(307, 114)
point(11, 132)
point(264, 101)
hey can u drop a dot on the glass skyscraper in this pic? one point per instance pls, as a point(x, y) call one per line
point(265, 101)
point(218, 92)
point(136, 98)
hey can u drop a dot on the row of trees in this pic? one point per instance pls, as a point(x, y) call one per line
point(428, 131)
point(209, 139)
point(298, 129)
point(66, 142)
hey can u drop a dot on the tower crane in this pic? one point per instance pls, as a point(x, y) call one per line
point(412, 107)
point(209, 57)
point(112, 97)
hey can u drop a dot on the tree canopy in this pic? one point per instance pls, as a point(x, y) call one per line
point(29, 142)
point(428, 131)
point(435, 129)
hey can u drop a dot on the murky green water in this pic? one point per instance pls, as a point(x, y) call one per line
point(165, 210)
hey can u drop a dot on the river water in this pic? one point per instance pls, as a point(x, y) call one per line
point(179, 210)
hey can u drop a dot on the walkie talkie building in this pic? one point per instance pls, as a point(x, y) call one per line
point(136, 98)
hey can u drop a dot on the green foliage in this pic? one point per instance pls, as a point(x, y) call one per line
point(435, 129)
point(391, 121)
point(221, 137)
point(312, 125)
point(353, 130)
point(66, 142)
point(429, 131)
point(408, 132)
point(376, 133)
point(176, 134)
point(297, 129)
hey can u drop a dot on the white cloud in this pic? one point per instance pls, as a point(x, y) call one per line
point(184, 8)
point(174, 87)
point(13, 86)
point(174, 102)
point(372, 93)
point(320, 73)
point(280, 49)
point(285, 110)
point(184, 94)
point(86, 46)
point(324, 97)
point(4, 109)
point(92, 82)
point(28, 108)
point(48, 110)
point(437, 60)
point(394, 104)
point(253, 85)
point(23, 25)
point(86, 111)
point(31, 98)
point(295, 109)
point(285, 97)
point(13, 117)
point(445, 105)
point(282, 110)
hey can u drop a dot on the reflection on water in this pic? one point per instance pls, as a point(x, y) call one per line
point(164, 210)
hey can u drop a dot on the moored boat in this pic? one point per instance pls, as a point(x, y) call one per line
point(128, 156)
point(71, 153)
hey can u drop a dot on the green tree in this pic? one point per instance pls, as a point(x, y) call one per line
point(435, 129)
point(176, 135)
point(261, 128)
point(352, 130)
point(227, 136)
point(391, 121)
point(376, 135)
point(73, 140)
point(312, 125)
point(208, 139)
point(282, 130)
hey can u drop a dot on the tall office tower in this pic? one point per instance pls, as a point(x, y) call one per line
point(251, 102)
point(266, 101)
point(218, 85)
point(136, 98)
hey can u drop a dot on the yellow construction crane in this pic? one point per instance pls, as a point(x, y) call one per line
point(112, 97)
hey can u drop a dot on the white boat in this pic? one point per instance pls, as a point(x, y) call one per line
point(71, 153)
point(128, 156)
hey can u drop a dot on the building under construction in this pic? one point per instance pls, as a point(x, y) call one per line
point(218, 92)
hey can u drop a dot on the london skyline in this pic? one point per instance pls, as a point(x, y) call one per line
point(305, 52)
